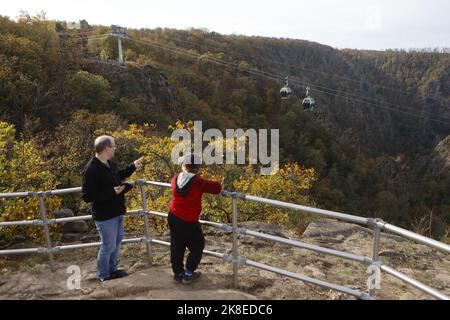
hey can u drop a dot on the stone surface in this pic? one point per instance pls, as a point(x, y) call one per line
point(29, 277)
point(71, 237)
point(75, 227)
point(64, 213)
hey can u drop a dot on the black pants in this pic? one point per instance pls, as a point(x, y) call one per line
point(184, 235)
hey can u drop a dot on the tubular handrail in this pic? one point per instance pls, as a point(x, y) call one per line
point(376, 224)
point(326, 213)
point(336, 215)
point(415, 237)
point(413, 282)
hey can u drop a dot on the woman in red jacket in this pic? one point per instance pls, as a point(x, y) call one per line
point(184, 214)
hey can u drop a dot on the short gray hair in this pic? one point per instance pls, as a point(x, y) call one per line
point(102, 142)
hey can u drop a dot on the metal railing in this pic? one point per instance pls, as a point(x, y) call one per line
point(377, 225)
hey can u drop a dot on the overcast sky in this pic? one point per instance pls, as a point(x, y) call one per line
point(362, 24)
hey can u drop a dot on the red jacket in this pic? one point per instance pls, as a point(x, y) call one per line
point(186, 203)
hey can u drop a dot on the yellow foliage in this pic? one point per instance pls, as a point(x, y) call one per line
point(291, 183)
point(21, 169)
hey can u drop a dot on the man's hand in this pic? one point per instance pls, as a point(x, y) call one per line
point(139, 163)
point(119, 189)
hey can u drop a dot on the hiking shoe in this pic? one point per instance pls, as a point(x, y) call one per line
point(192, 277)
point(118, 274)
point(103, 279)
point(178, 277)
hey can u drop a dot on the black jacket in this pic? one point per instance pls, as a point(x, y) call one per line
point(98, 187)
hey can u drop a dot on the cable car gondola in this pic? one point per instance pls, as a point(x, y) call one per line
point(285, 92)
point(308, 103)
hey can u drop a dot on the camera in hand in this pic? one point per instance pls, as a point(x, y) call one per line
point(128, 187)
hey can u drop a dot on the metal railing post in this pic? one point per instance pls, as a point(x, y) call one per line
point(147, 237)
point(375, 257)
point(235, 244)
point(46, 231)
point(375, 265)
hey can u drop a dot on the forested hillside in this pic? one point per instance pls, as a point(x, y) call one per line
point(371, 144)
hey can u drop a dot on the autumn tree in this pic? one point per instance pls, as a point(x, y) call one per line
point(22, 169)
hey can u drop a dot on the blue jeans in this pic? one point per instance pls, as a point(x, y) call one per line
point(111, 235)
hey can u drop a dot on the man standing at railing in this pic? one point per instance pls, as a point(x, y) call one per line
point(103, 186)
point(184, 213)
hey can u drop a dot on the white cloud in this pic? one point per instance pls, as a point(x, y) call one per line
point(374, 19)
point(370, 24)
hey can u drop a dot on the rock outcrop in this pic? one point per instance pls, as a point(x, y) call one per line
point(30, 278)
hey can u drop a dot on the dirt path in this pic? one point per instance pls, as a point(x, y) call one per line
point(30, 278)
